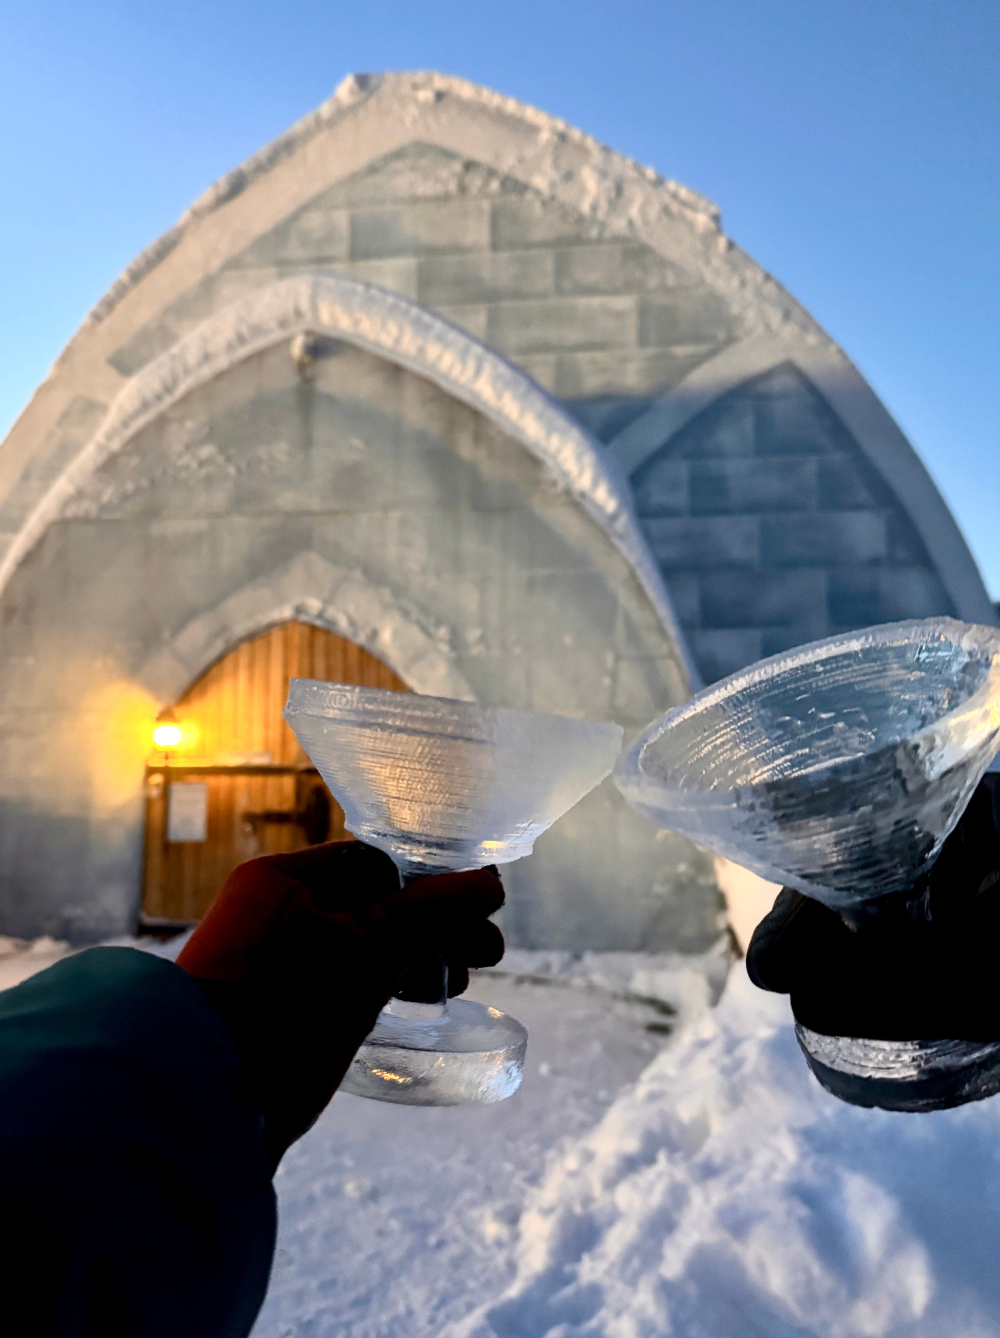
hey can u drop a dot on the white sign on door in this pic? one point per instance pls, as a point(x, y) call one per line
point(187, 811)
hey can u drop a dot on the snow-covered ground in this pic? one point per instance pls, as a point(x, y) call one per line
point(659, 1175)
point(399, 1221)
point(700, 1185)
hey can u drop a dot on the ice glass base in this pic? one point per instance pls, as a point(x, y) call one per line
point(902, 1075)
point(462, 1054)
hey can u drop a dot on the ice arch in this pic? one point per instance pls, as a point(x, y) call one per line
point(308, 589)
point(862, 413)
point(393, 327)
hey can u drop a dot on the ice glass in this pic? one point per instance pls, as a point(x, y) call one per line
point(443, 785)
point(838, 768)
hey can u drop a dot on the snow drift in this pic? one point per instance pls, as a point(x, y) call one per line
point(727, 1194)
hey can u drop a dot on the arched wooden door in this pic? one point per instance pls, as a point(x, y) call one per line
point(238, 784)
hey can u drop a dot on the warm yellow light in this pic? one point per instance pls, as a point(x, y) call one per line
point(167, 736)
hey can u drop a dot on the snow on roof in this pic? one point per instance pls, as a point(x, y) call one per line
point(550, 155)
point(424, 87)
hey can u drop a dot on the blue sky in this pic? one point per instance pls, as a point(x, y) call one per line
point(852, 147)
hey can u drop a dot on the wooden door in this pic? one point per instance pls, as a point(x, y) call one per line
point(238, 784)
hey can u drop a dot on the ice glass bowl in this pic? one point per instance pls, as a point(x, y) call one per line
point(441, 784)
point(838, 768)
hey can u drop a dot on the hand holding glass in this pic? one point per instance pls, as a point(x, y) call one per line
point(838, 769)
point(442, 785)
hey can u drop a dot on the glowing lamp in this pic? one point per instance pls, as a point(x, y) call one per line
point(167, 736)
point(167, 732)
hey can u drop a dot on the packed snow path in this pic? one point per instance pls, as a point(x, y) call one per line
point(724, 1195)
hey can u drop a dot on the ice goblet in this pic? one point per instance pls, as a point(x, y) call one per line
point(443, 785)
point(839, 769)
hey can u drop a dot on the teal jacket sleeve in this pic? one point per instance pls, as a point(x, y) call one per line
point(135, 1196)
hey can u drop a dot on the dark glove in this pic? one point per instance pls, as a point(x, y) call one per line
point(300, 952)
point(923, 965)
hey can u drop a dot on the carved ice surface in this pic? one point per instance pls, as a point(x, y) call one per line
point(902, 1075)
point(838, 768)
point(901, 1061)
point(471, 1053)
point(441, 784)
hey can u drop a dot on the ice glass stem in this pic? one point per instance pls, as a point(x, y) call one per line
point(408, 1008)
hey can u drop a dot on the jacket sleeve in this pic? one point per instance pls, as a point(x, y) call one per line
point(136, 1196)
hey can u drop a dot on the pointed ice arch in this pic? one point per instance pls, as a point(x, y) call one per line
point(877, 436)
point(392, 327)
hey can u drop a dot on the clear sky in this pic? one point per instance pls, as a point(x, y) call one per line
point(852, 145)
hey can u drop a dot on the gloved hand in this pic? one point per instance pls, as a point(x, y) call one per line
point(300, 952)
point(918, 965)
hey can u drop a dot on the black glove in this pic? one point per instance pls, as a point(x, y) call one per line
point(918, 966)
point(300, 952)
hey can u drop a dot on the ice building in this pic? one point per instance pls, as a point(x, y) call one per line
point(434, 393)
